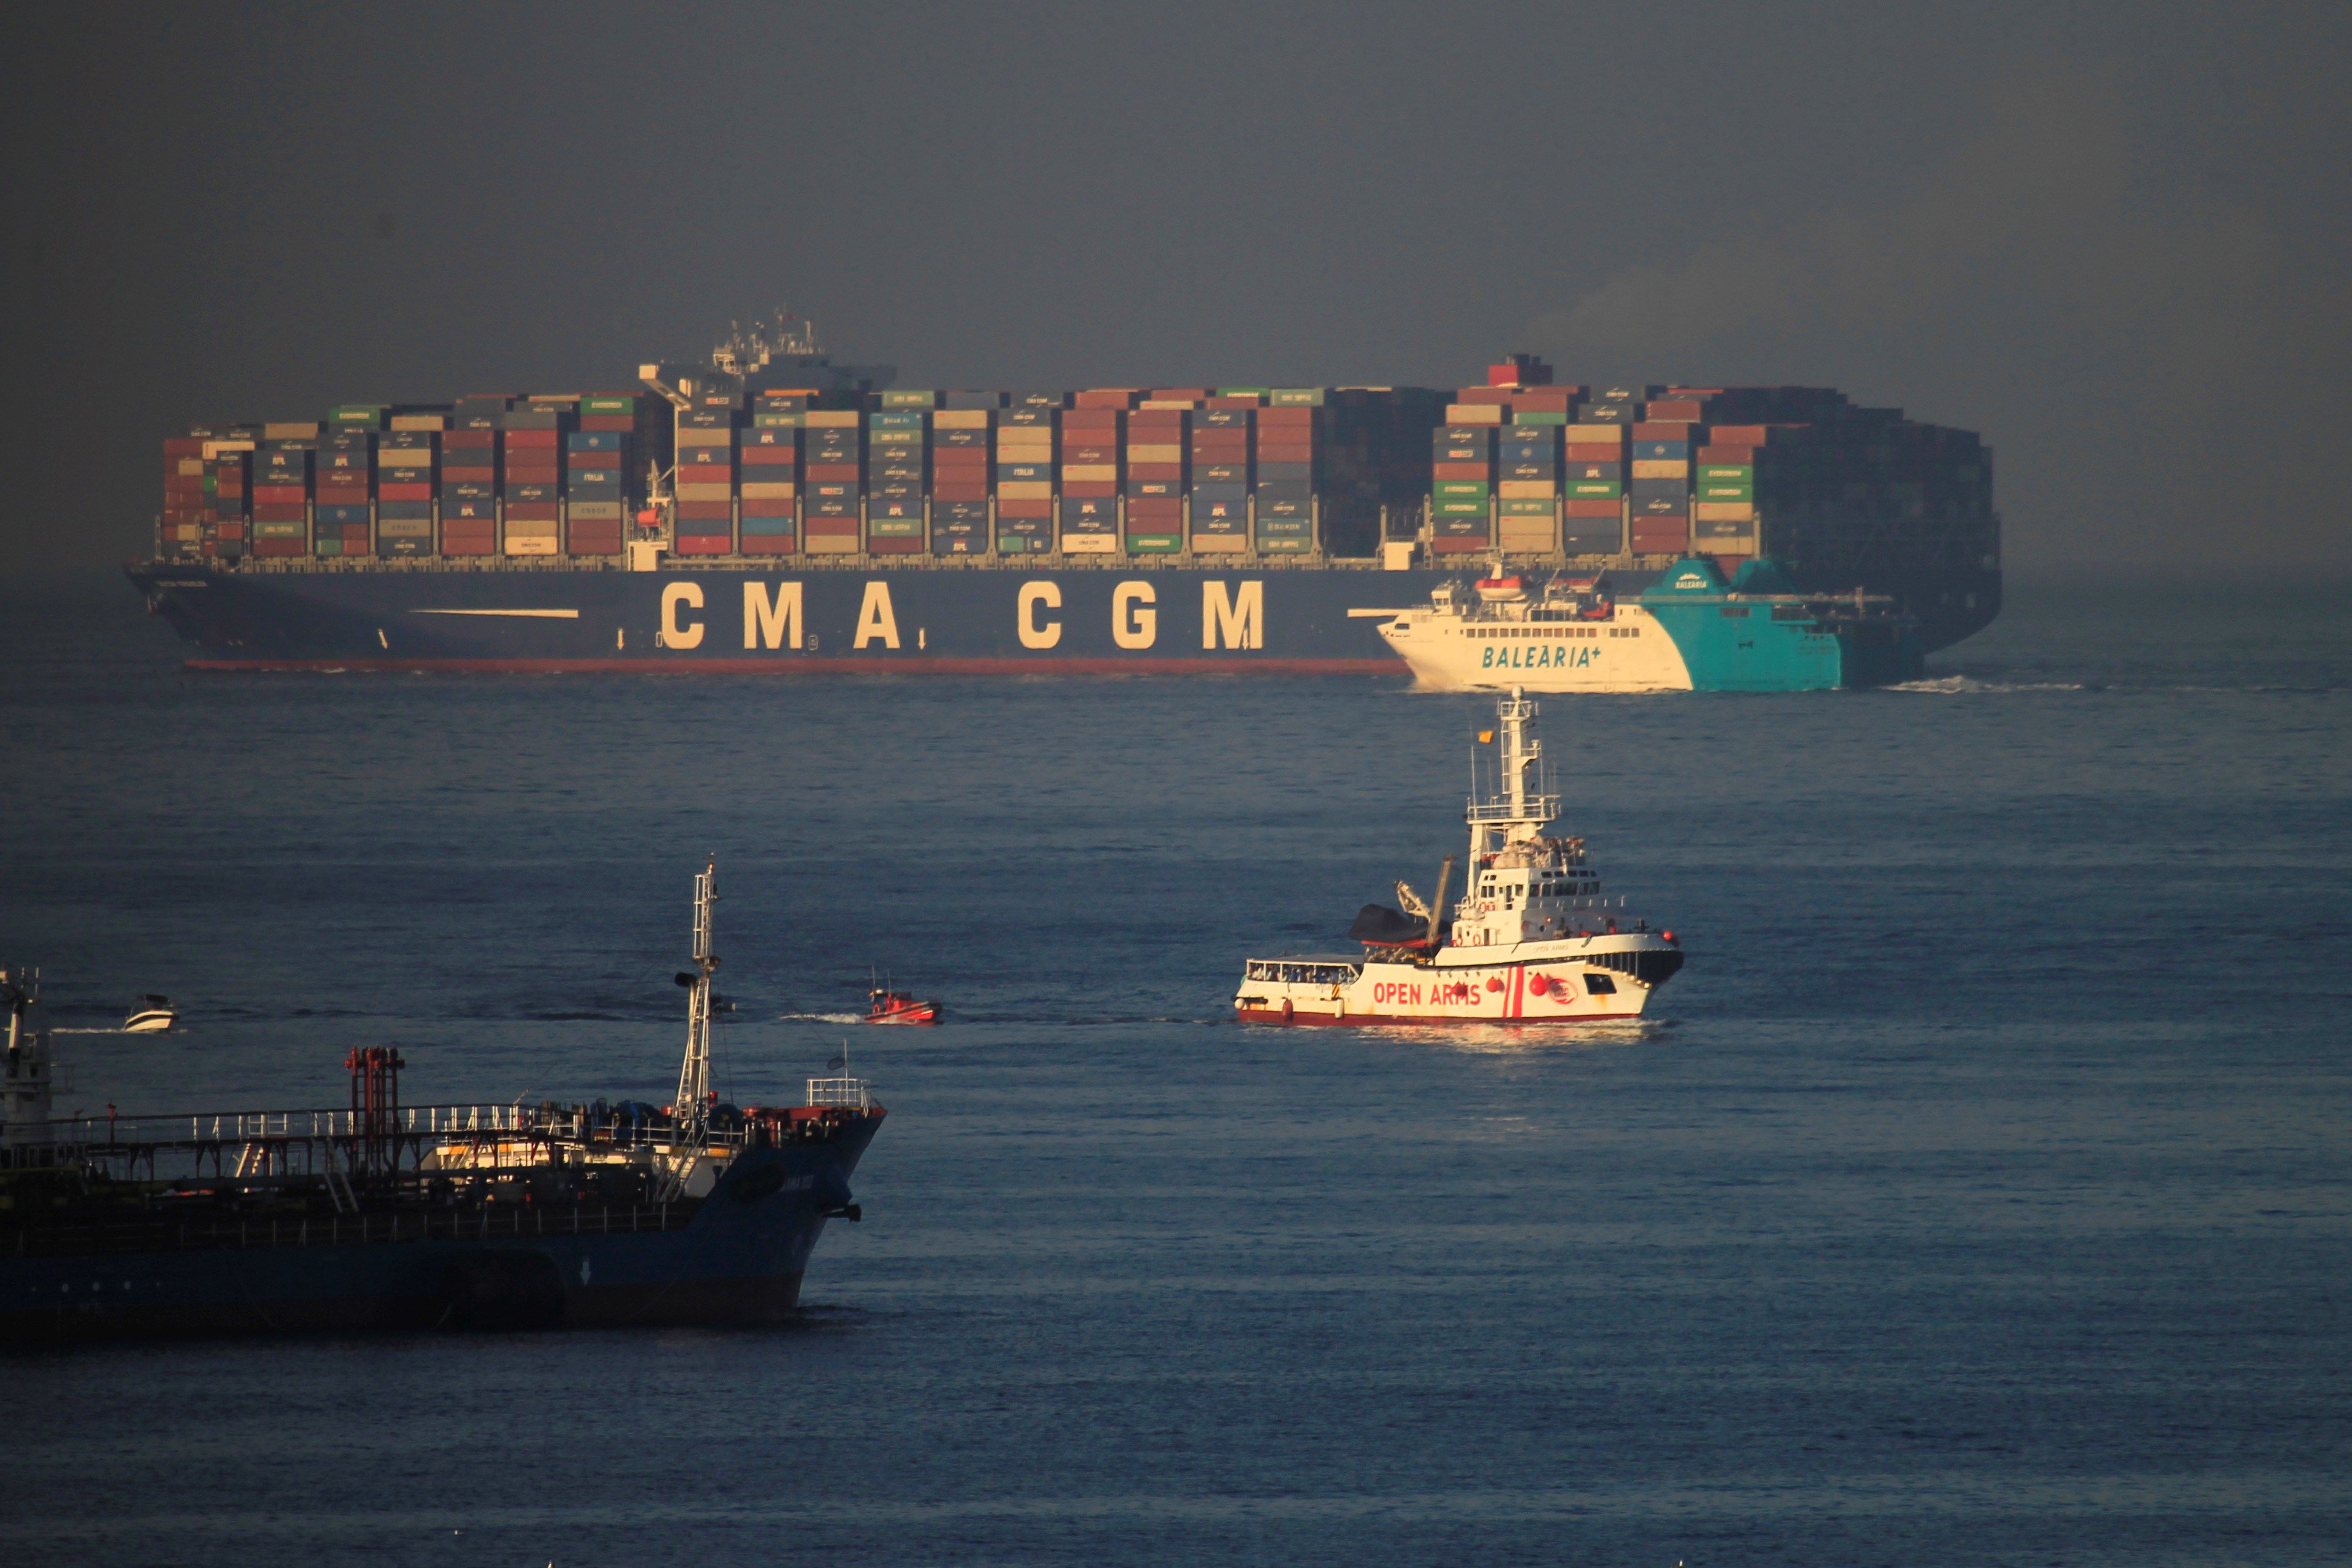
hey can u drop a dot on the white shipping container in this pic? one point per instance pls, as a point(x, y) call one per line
point(595, 511)
point(403, 527)
point(1661, 469)
point(531, 544)
point(1089, 544)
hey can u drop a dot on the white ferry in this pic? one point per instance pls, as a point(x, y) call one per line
point(1535, 938)
point(1689, 631)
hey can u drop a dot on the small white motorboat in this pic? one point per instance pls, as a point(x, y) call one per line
point(153, 1015)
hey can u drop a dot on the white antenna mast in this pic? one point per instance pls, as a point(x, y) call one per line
point(692, 1108)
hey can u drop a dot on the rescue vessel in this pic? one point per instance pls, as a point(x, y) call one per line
point(1536, 938)
point(380, 1214)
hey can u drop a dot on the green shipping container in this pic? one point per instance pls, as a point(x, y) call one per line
point(777, 420)
point(1518, 507)
point(910, 398)
point(1595, 489)
point(1538, 416)
point(360, 416)
point(608, 405)
point(1458, 508)
point(1154, 544)
point(1244, 392)
point(896, 527)
point(1296, 397)
point(1460, 490)
point(1726, 491)
point(1727, 474)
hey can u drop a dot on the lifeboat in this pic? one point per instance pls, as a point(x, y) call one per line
point(898, 1007)
point(1501, 589)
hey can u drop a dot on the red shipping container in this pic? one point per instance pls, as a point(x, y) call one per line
point(350, 495)
point(403, 492)
point(454, 441)
point(1156, 419)
point(280, 494)
point(834, 473)
point(532, 511)
point(1027, 510)
point(231, 530)
point(1728, 564)
point(831, 528)
point(894, 546)
point(1724, 452)
point(1652, 539)
point(1545, 400)
point(279, 547)
point(1588, 508)
point(268, 514)
point(594, 546)
point(1089, 489)
point(613, 459)
point(703, 511)
point(608, 422)
point(1239, 399)
point(1092, 419)
point(1686, 410)
point(1170, 394)
point(1447, 545)
point(532, 439)
point(468, 546)
point(1656, 430)
point(1267, 453)
point(767, 544)
point(1107, 397)
point(1155, 507)
point(470, 476)
point(535, 474)
point(1286, 418)
point(704, 544)
point(967, 465)
point(1488, 396)
point(1463, 471)
point(1746, 434)
point(1173, 473)
point(769, 508)
point(1593, 452)
point(1090, 453)
point(944, 489)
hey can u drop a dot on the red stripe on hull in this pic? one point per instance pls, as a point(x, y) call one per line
point(883, 666)
point(1358, 1020)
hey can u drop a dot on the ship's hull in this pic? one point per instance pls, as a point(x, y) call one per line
point(739, 1258)
point(754, 618)
point(1603, 979)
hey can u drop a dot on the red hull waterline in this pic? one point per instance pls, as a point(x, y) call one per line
point(1455, 1021)
point(804, 666)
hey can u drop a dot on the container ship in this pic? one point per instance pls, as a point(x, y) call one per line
point(774, 511)
point(385, 1216)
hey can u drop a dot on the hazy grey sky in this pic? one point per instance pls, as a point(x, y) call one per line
point(2110, 237)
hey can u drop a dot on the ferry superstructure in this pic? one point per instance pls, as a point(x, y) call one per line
point(1536, 938)
point(1688, 629)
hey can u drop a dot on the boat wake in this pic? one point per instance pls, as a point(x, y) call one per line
point(1969, 685)
point(821, 1017)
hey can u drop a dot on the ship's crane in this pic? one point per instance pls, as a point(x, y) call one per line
point(690, 1112)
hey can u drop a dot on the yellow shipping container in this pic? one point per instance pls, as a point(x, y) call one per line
point(1528, 489)
point(832, 419)
point(1024, 490)
point(705, 492)
point(1723, 511)
point(690, 436)
point(1474, 413)
point(770, 490)
point(1094, 471)
point(960, 419)
point(1596, 435)
point(1155, 454)
point(1661, 469)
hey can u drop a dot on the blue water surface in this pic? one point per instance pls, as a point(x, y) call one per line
point(1982, 1192)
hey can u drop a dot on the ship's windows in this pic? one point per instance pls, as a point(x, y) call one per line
point(1600, 986)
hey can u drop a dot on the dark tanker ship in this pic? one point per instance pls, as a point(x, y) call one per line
point(772, 511)
point(387, 1216)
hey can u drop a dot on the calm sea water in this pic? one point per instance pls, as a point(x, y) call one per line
point(1982, 1192)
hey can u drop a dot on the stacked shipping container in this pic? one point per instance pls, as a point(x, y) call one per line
point(1518, 466)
